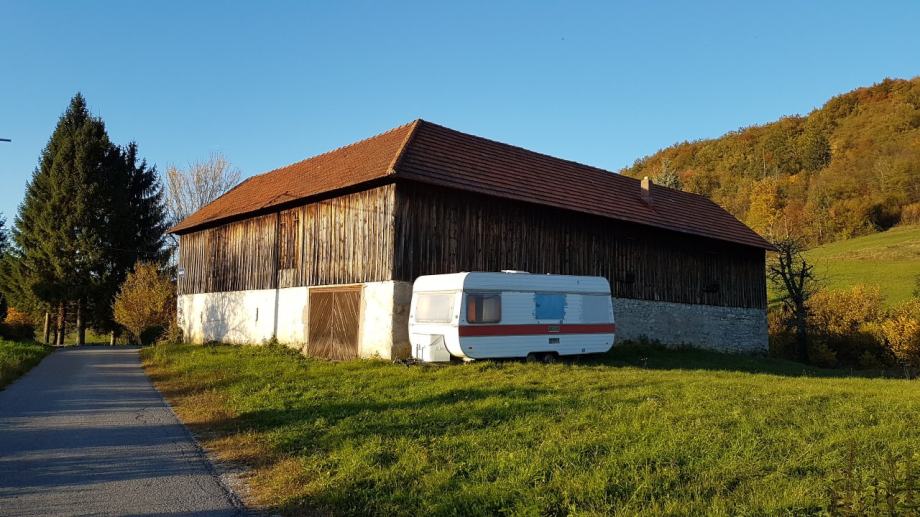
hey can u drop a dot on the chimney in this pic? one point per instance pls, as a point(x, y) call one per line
point(647, 191)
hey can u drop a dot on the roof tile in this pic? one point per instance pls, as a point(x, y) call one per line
point(426, 152)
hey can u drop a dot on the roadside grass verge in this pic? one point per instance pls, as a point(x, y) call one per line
point(633, 432)
point(16, 358)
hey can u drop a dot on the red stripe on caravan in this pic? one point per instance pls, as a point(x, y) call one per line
point(535, 330)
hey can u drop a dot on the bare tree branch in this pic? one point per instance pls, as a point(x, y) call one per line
point(202, 182)
point(790, 271)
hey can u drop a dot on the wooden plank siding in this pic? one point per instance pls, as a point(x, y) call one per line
point(345, 239)
point(233, 257)
point(401, 231)
point(443, 231)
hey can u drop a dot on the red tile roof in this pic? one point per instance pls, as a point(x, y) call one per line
point(344, 167)
point(430, 153)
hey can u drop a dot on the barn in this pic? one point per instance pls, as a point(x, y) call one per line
point(321, 254)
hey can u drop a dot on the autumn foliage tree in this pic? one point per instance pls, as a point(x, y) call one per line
point(145, 304)
point(848, 168)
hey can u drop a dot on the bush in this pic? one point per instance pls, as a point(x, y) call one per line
point(844, 327)
point(901, 331)
point(146, 302)
point(173, 333)
point(781, 336)
point(910, 214)
point(17, 326)
point(845, 311)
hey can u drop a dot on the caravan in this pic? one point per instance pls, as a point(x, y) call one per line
point(509, 314)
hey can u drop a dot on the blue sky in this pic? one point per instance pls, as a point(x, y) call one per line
point(272, 83)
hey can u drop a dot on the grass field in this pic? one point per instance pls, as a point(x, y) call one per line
point(890, 260)
point(635, 432)
point(17, 358)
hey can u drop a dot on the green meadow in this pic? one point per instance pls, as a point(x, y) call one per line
point(638, 431)
point(889, 260)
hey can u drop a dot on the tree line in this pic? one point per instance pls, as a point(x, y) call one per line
point(92, 210)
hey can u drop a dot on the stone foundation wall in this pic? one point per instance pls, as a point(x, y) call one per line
point(726, 329)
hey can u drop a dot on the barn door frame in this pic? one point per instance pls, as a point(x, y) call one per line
point(359, 338)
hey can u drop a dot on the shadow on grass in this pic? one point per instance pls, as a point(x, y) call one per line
point(341, 427)
point(657, 357)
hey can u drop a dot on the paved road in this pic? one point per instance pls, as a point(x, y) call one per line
point(85, 433)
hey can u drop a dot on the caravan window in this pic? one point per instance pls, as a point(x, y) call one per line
point(483, 308)
point(549, 306)
point(434, 307)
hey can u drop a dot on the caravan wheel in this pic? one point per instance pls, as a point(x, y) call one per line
point(532, 357)
point(551, 357)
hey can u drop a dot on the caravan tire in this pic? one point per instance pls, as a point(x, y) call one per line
point(550, 358)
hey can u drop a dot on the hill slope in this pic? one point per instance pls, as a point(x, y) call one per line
point(846, 169)
point(889, 260)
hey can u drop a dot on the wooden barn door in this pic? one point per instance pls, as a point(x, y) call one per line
point(335, 313)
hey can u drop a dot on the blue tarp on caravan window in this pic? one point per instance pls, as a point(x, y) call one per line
point(549, 306)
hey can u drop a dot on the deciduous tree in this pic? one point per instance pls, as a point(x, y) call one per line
point(189, 189)
point(145, 302)
point(795, 277)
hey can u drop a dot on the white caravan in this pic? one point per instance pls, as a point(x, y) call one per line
point(509, 314)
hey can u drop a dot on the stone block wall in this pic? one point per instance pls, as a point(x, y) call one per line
point(725, 329)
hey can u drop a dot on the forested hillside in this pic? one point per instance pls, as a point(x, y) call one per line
point(849, 168)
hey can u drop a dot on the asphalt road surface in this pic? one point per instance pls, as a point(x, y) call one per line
point(86, 433)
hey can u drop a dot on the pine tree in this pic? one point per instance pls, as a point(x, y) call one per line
point(135, 220)
point(90, 211)
point(57, 227)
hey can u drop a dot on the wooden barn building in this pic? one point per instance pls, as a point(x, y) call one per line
point(321, 254)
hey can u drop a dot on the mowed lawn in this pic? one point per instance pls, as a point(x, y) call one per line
point(17, 358)
point(889, 260)
point(635, 432)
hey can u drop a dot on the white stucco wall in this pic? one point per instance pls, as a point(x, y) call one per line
point(248, 317)
point(385, 320)
point(293, 316)
point(231, 317)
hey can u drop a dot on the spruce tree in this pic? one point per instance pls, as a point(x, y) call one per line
point(56, 229)
point(135, 225)
point(90, 211)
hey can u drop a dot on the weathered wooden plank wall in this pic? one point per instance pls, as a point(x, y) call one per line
point(401, 232)
point(346, 239)
point(441, 231)
point(233, 257)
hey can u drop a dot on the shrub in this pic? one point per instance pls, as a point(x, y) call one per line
point(901, 331)
point(844, 327)
point(781, 338)
point(145, 304)
point(910, 214)
point(820, 354)
point(845, 311)
point(173, 333)
point(17, 326)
